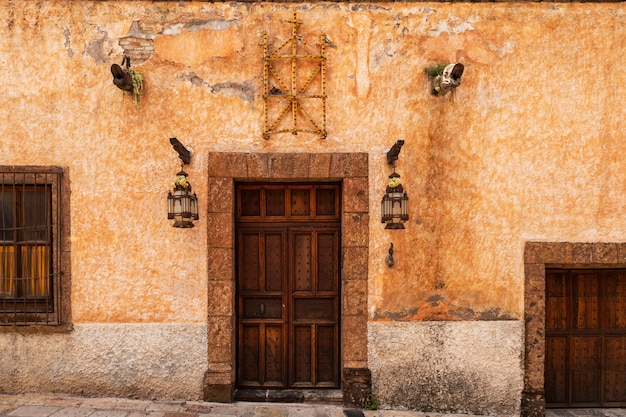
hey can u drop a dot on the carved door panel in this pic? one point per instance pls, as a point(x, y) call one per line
point(288, 286)
point(262, 308)
point(314, 312)
point(585, 338)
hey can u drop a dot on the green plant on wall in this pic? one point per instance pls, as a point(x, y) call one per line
point(128, 79)
point(371, 402)
point(137, 78)
point(435, 70)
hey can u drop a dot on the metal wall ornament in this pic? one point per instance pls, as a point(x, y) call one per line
point(288, 91)
point(395, 204)
point(128, 79)
point(182, 204)
point(444, 77)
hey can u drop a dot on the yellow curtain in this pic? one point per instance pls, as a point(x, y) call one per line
point(35, 270)
point(7, 270)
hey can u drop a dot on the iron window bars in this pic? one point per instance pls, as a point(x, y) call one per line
point(30, 245)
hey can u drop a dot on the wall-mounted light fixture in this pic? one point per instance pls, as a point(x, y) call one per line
point(395, 203)
point(182, 205)
point(444, 77)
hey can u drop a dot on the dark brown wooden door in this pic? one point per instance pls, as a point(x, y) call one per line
point(585, 362)
point(288, 285)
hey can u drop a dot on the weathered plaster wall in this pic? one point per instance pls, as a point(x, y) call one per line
point(529, 147)
point(457, 367)
point(516, 152)
point(138, 360)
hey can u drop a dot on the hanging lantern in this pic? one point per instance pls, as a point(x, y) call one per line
point(182, 205)
point(395, 204)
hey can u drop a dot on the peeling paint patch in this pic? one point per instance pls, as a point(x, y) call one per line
point(138, 45)
point(437, 309)
point(68, 41)
point(137, 32)
point(244, 90)
point(95, 48)
point(193, 48)
point(178, 28)
point(444, 27)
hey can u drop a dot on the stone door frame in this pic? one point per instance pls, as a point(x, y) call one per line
point(537, 257)
point(352, 170)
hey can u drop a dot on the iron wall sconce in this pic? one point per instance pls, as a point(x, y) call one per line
point(182, 205)
point(395, 203)
point(444, 77)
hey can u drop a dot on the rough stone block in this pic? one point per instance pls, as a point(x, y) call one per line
point(218, 393)
point(356, 195)
point(605, 253)
point(356, 387)
point(220, 230)
point(220, 197)
point(354, 298)
point(349, 165)
point(354, 338)
point(221, 298)
point(533, 404)
point(288, 166)
point(227, 165)
point(356, 226)
point(220, 263)
point(319, 165)
point(355, 263)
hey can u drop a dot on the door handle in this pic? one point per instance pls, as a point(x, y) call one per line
point(262, 308)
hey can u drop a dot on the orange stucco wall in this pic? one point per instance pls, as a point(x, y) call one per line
point(529, 147)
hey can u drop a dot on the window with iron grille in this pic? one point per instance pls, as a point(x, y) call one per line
point(31, 256)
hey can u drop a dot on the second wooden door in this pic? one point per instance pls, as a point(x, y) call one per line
point(585, 338)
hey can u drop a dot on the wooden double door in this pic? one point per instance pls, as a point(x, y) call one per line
point(288, 250)
point(585, 363)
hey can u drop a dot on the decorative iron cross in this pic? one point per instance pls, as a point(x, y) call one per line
point(287, 91)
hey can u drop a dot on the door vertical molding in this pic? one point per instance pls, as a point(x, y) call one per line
point(538, 255)
point(226, 168)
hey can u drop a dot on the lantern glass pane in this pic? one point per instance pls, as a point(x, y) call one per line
point(194, 207)
point(170, 206)
point(405, 206)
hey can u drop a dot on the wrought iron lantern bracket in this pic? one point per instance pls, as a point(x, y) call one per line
point(182, 204)
point(395, 202)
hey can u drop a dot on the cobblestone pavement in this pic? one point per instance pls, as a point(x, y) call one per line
point(587, 412)
point(67, 406)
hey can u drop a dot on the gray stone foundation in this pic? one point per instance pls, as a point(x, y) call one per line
point(160, 361)
point(470, 367)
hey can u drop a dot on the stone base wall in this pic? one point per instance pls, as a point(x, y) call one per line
point(157, 361)
point(460, 367)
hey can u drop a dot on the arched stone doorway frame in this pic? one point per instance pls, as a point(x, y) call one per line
point(227, 168)
point(537, 257)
